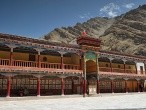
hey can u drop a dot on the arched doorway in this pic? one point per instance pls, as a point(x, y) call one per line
point(91, 74)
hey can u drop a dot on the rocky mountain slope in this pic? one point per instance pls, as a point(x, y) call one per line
point(124, 34)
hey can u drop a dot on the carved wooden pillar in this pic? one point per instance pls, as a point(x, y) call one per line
point(138, 83)
point(62, 86)
point(98, 86)
point(62, 67)
point(39, 50)
point(11, 57)
point(81, 85)
point(84, 87)
point(124, 66)
point(126, 88)
point(39, 62)
point(38, 86)
point(72, 86)
point(85, 81)
point(80, 63)
point(8, 86)
point(111, 63)
point(112, 85)
point(97, 72)
point(136, 67)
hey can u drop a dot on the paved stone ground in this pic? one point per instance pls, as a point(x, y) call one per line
point(136, 101)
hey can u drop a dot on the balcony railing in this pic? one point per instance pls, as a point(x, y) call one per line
point(104, 69)
point(21, 63)
point(69, 66)
point(117, 70)
point(24, 63)
point(4, 61)
point(50, 65)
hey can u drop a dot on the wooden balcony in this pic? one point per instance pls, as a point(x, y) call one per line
point(50, 65)
point(4, 61)
point(32, 64)
point(117, 70)
point(21, 63)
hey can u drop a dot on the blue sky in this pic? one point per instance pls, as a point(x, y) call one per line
point(34, 18)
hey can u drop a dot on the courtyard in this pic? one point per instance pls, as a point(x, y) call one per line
point(131, 101)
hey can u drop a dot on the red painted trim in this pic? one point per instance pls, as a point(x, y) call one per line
point(39, 62)
point(98, 86)
point(8, 87)
point(38, 86)
point(126, 89)
point(138, 89)
point(11, 58)
point(84, 88)
point(62, 86)
point(62, 66)
point(112, 86)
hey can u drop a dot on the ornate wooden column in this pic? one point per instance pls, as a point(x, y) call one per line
point(39, 50)
point(98, 86)
point(11, 46)
point(81, 85)
point(112, 85)
point(80, 63)
point(11, 56)
point(138, 83)
point(124, 65)
point(39, 62)
point(72, 86)
point(85, 81)
point(111, 63)
point(62, 86)
point(38, 86)
point(8, 86)
point(136, 67)
point(126, 89)
point(62, 67)
point(97, 70)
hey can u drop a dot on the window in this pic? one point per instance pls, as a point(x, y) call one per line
point(31, 57)
point(44, 59)
point(141, 69)
point(119, 66)
point(106, 65)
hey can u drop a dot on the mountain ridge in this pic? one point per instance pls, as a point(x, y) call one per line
point(124, 34)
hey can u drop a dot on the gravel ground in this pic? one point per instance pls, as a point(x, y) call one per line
point(136, 101)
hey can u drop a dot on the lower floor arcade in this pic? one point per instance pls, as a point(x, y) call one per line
point(29, 85)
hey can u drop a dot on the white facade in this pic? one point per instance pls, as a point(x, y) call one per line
point(140, 67)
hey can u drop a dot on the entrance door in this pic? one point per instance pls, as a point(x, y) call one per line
point(92, 87)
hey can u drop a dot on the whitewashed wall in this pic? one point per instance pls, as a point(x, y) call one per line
point(138, 64)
